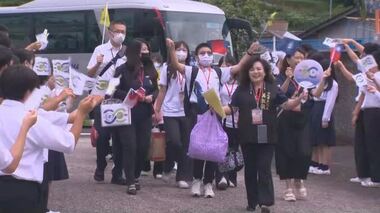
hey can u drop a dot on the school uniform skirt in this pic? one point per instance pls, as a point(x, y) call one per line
point(372, 139)
point(56, 166)
point(293, 149)
point(319, 135)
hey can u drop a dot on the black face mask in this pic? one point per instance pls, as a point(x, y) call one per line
point(145, 57)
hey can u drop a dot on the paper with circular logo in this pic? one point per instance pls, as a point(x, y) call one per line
point(308, 74)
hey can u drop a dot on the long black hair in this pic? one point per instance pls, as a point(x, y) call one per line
point(134, 63)
point(285, 63)
point(171, 70)
point(324, 61)
point(244, 74)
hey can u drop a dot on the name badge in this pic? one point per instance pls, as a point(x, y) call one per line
point(257, 116)
point(262, 134)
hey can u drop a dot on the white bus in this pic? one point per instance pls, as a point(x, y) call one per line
point(75, 31)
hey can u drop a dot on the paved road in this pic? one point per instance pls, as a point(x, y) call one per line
point(327, 194)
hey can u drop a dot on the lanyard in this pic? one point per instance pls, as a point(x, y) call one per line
point(297, 86)
point(229, 92)
point(258, 95)
point(207, 78)
point(180, 80)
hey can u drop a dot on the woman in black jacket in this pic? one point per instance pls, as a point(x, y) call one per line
point(132, 141)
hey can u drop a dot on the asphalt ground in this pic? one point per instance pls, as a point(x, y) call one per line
point(327, 194)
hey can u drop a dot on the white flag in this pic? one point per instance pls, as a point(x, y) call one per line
point(42, 66)
point(77, 81)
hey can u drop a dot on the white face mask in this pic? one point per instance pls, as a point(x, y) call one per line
point(157, 65)
point(118, 38)
point(206, 60)
point(181, 55)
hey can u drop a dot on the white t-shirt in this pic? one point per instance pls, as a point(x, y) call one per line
point(226, 93)
point(109, 53)
point(173, 102)
point(207, 80)
point(371, 100)
point(5, 157)
point(330, 98)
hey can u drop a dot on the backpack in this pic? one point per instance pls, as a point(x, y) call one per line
point(194, 73)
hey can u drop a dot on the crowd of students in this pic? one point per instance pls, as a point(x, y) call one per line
point(268, 116)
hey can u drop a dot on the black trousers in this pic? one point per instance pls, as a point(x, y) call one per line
point(372, 139)
point(257, 174)
point(177, 136)
point(18, 196)
point(360, 149)
point(232, 145)
point(201, 169)
point(133, 143)
point(102, 146)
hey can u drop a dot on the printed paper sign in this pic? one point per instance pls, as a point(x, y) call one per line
point(61, 65)
point(367, 63)
point(43, 39)
point(330, 42)
point(272, 59)
point(116, 114)
point(360, 80)
point(90, 84)
point(100, 87)
point(308, 74)
point(42, 66)
point(77, 81)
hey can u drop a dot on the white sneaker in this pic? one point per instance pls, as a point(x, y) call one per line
point(301, 193)
point(159, 176)
point(52, 212)
point(325, 172)
point(196, 188)
point(232, 185)
point(183, 184)
point(209, 193)
point(312, 169)
point(222, 185)
point(359, 180)
point(370, 184)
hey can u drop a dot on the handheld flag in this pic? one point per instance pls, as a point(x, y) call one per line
point(271, 18)
point(105, 20)
point(335, 54)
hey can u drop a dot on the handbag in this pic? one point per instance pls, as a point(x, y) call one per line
point(234, 162)
point(208, 141)
point(157, 149)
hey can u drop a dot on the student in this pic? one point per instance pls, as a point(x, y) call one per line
point(205, 77)
point(102, 56)
point(360, 149)
point(293, 151)
point(223, 180)
point(17, 83)
point(177, 128)
point(258, 92)
point(322, 129)
point(10, 159)
point(5, 62)
point(133, 140)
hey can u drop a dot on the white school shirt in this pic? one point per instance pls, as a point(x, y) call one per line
point(38, 96)
point(6, 157)
point(371, 100)
point(172, 105)
point(42, 135)
point(226, 93)
point(205, 82)
point(109, 53)
point(330, 98)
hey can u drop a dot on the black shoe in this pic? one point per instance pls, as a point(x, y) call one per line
point(250, 209)
point(119, 181)
point(137, 185)
point(99, 175)
point(222, 185)
point(131, 190)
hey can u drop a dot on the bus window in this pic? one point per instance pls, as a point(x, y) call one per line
point(19, 28)
point(142, 23)
point(66, 29)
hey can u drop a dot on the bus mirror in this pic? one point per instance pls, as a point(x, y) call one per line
point(238, 24)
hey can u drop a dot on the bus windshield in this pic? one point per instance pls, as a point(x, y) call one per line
point(196, 28)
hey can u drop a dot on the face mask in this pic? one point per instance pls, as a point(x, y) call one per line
point(157, 65)
point(181, 55)
point(145, 57)
point(118, 38)
point(206, 60)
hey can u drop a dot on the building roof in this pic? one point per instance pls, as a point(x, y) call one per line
point(313, 30)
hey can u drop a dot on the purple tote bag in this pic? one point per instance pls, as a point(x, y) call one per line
point(208, 141)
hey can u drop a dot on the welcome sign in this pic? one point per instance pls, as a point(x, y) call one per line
point(115, 114)
point(308, 74)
